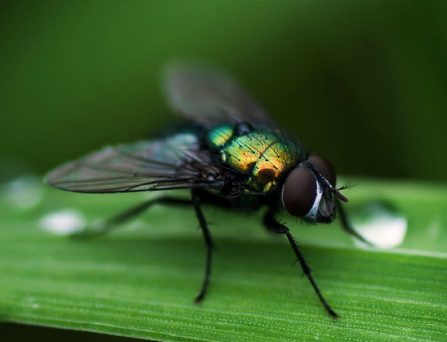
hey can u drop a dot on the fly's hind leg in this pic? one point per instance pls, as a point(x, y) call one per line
point(208, 243)
point(275, 227)
point(102, 227)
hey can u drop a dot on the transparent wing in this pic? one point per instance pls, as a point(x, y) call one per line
point(173, 163)
point(211, 97)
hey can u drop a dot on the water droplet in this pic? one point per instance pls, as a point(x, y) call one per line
point(63, 222)
point(381, 224)
point(24, 192)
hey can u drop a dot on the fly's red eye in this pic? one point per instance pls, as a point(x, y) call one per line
point(299, 192)
point(324, 168)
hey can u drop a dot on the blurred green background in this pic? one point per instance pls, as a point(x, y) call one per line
point(363, 83)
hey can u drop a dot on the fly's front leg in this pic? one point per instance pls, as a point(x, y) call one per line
point(208, 242)
point(105, 226)
point(347, 225)
point(274, 226)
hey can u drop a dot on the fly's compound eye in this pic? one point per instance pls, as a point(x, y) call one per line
point(299, 192)
point(324, 168)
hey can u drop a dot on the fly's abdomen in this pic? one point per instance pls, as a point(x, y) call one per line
point(264, 156)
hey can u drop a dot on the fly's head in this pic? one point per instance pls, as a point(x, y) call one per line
point(309, 191)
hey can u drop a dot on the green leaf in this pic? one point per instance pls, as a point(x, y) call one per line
point(140, 281)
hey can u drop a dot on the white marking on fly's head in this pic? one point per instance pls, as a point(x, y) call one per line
point(313, 212)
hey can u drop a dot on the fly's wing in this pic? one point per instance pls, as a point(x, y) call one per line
point(173, 163)
point(212, 97)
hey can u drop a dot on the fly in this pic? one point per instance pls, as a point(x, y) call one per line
point(230, 154)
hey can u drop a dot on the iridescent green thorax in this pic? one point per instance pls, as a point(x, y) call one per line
point(263, 154)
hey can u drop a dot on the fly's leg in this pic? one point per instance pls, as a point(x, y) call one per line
point(347, 225)
point(113, 222)
point(105, 226)
point(208, 242)
point(274, 226)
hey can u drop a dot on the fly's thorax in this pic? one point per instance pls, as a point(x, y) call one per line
point(272, 165)
point(263, 155)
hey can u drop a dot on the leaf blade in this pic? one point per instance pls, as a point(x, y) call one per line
point(141, 282)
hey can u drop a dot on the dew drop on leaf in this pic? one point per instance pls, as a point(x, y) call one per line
point(63, 222)
point(381, 224)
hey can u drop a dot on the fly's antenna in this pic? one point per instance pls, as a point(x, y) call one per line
point(339, 195)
